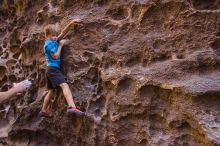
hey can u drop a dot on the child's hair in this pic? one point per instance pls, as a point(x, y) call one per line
point(50, 30)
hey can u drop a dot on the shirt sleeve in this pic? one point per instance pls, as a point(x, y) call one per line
point(58, 40)
point(50, 47)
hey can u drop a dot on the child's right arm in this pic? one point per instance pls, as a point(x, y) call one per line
point(67, 28)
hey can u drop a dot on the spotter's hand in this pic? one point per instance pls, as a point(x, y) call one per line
point(22, 86)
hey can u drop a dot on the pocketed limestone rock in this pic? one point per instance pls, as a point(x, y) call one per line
point(145, 72)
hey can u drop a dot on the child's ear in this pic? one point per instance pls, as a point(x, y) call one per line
point(46, 35)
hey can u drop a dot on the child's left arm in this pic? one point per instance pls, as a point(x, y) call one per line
point(66, 29)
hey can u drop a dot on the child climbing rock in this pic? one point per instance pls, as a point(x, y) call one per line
point(55, 78)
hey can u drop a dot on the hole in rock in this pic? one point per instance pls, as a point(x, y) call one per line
point(3, 122)
point(99, 104)
point(11, 63)
point(68, 3)
point(2, 72)
point(144, 142)
point(53, 2)
point(110, 29)
point(1, 49)
point(15, 49)
point(12, 78)
point(216, 46)
point(125, 28)
point(147, 92)
point(185, 139)
point(157, 124)
point(5, 87)
point(180, 56)
point(118, 13)
point(37, 137)
point(16, 56)
point(185, 125)
point(205, 4)
point(209, 99)
point(153, 18)
point(10, 2)
point(133, 60)
point(125, 86)
point(34, 75)
point(46, 8)
point(3, 79)
point(218, 33)
point(104, 48)
point(93, 75)
point(107, 85)
point(101, 2)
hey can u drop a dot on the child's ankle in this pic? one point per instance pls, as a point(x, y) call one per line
point(71, 106)
point(42, 110)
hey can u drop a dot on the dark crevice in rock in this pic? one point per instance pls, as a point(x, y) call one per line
point(118, 13)
point(205, 4)
point(216, 46)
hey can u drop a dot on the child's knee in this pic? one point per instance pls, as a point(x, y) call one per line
point(63, 85)
point(51, 92)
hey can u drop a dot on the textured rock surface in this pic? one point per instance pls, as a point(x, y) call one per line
point(146, 71)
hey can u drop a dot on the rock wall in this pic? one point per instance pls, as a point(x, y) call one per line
point(147, 72)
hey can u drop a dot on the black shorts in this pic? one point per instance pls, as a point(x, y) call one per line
point(54, 77)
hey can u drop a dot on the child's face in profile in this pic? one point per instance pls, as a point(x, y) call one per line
point(53, 37)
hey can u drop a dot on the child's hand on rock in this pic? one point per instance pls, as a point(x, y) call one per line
point(75, 21)
point(62, 42)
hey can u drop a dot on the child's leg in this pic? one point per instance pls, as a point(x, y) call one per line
point(47, 100)
point(67, 94)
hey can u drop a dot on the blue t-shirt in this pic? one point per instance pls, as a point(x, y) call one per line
point(51, 47)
